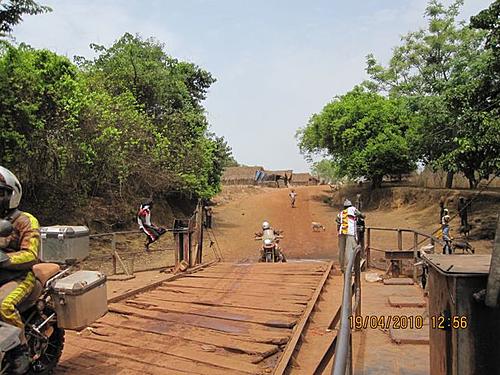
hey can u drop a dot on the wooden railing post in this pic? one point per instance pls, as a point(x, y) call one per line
point(400, 239)
point(113, 252)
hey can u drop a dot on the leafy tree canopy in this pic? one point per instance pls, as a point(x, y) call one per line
point(12, 11)
point(364, 133)
point(448, 75)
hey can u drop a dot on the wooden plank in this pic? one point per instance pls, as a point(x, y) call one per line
point(120, 277)
point(217, 324)
point(235, 300)
point(155, 284)
point(93, 363)
point(297, 332)
point(236, 314)
point(261, 280)
point(180, 349)
point(193, 290)
point(145, 357)
point(410, 336)
point(398, 281)
point(228, 285)
point(244, 344)
point(399, 301)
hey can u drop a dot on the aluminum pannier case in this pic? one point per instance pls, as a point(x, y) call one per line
point(64, 244)
point(80, 299)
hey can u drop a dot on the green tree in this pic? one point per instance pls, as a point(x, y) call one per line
point(434, 70)
point(365, 134)
point(170, 93)
point(326, 170)
point(41, 97)
point(11, 13)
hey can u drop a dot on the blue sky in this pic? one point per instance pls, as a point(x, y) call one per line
point(276, 62)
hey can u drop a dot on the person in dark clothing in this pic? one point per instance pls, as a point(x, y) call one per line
point(463, 212)
point(441, 211)
point(208, 216)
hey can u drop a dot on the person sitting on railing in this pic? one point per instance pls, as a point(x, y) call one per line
point(347, 231)
point(151, 231)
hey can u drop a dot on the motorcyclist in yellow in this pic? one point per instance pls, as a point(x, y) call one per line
point(21, 246)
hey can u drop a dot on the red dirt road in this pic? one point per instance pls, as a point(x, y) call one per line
point(236, 222)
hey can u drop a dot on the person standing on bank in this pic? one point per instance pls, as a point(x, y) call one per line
point(347, 231)
point(208, 216)
point(151, 231)
point(463, 208)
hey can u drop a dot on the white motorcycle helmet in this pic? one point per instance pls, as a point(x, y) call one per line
point(265, 225)
point(12, 188)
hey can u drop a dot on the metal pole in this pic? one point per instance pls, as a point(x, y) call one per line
point(493, 288)
point(368, 242)
point(357, 283)
point(344, 334)
point(415, 255)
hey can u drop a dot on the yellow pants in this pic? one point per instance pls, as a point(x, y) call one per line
point(11, 295)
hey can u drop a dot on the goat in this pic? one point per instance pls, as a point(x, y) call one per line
point(316, 227)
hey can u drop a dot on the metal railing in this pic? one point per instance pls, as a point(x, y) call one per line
point(342, 364)
point(417, 241)
point(111, 260)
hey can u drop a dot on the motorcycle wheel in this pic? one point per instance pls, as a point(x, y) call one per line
point(49, 358)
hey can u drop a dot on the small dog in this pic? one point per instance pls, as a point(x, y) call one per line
point(462, 245)
point(316, 227)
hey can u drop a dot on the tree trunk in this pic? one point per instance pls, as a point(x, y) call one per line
point(473, 182)
point(376, 182)
point(449, 180)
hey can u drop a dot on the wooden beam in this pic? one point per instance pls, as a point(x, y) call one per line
point(299, 328)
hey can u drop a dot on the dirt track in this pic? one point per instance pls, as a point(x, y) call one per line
point(241, 210)
point(237, 220)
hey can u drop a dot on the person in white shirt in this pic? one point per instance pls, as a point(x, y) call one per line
point(347, 231)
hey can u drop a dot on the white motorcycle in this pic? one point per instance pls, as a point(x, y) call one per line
point(270, 252)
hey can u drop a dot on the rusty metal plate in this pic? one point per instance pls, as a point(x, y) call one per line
point(463, 264)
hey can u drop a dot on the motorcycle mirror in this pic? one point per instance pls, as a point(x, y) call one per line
point(5, 228)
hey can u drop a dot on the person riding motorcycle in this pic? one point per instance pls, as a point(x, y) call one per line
point(268, 236)
point(16, 276)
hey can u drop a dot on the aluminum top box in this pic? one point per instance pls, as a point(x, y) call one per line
point(64, 244)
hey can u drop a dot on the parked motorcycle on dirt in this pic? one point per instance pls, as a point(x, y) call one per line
point(47, 312)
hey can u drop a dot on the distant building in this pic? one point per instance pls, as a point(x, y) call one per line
point(304, 179)
point(243, 175)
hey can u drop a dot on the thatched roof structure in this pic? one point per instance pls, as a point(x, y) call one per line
point(233, 174)
point(282, 172)
point(304, 179)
